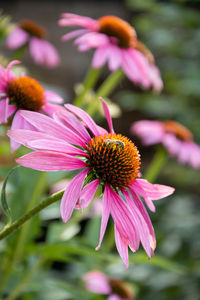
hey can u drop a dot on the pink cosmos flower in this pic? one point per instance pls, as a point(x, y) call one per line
point(23, 92)
point(176, 138)
point(105, 160)
point(99, 283)
point(115, 42)
point(27, 32)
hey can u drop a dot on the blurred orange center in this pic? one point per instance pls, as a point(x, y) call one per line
point(114, 159)
point(121, 288)
point(179, 130)
point(33, 28)
point(118, 28)
point(26, 93)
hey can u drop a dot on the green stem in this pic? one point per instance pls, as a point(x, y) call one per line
point(14, 226)
point(105, 89)
point(156, 164)
point(90, 80)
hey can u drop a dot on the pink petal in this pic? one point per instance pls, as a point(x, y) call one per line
point(97, 282)
point(81, 114)
point(51, 109)
point(151, 132)
point(17, 38)
point(69, 120)
point(145, 215)
point(91, 40)
point(53, 97)
point(105, 213)
point(194, 157)
point(114, 58)
point(73, 34)
point(17, 123)
point(107, 114)
point(50, 161)
point(115, 297)
point(102, 131)
point(87, 194)
point(172, 144)
point(46, 124)
point(76, 20)
point(100, 56)
point(60, 146)
point(43, 52)
point(9, 73)
point(4, 110)
point(122, 247)
point(72, 195)
point(151, 191)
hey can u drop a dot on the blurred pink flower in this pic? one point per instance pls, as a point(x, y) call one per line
point(23, 92)
point(116, 42)
point(116, 289)
point(176, 138)
point(108, 160)
point(27, 32)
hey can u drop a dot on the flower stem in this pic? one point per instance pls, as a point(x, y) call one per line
point(31, 213)
point(156, 164)
point(90, 80)
point(105, 89)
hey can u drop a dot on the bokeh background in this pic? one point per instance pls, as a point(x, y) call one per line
point(54, 256)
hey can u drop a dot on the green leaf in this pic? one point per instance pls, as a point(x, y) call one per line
point(4, 203)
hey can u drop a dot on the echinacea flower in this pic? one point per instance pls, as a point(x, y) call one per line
point(115, 42)
point(23, 92)
point(99, 283)
point(32, 34)
point(175, 137)
point(106, 160)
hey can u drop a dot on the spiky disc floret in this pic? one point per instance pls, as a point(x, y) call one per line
point(26, 93)
point(114, 159)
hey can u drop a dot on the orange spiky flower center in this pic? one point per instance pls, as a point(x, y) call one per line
point(121, 288)
point(118, 28)
point(26, 93)
point(179, 130)
point(114, 159)
point(33, 28)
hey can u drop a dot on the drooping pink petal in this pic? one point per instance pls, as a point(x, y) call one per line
point(100, 56)
point(105, 213)
point(73, 34)
point(151, 191)
point(53, 97)
point(76, 20)
point(107, 114)
point(122, 246)
point(114, 58)
point(102, 130)
point(69, 120)
point(43, 52)
point(115, 297)
point(17, 123)
point(87, 194)
point(51, 109)
point(87, 120)
point(145, 215)
point(156, 79)
point(151, 132)
point(46, 124)
point(194, 155)
point(4, 110)
point(97, 282)
point(60, 146)
point(91, 40)
point(50, 161)
point(140, 224)
point(17, 38)
point(9, 73)
point(72, 195)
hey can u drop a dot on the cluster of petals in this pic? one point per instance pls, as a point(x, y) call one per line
point(97, 282)
point(154, 132)
point(134, 63)
point(42, 51)
point(8, 106)
point(60, 143)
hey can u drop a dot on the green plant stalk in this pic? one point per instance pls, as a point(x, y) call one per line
point(18, 223)
point(159, 159)
point(105, 89)
point(90, 80)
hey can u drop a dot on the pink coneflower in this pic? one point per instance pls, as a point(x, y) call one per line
point(116, 289)
point(115, 42)
point(23, 92)
point(27, 32)
point(176, 138)
point(108, 160)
